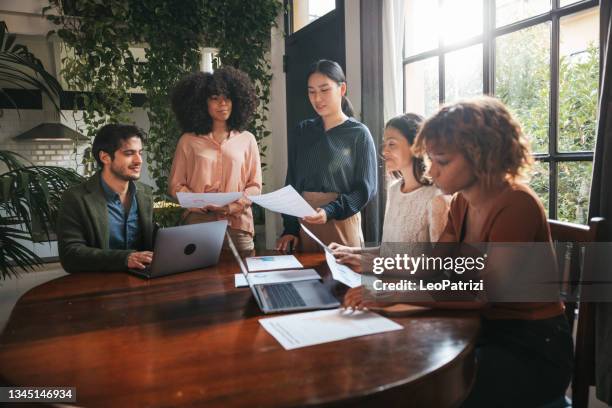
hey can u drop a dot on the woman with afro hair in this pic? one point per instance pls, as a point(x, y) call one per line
point(216, 154)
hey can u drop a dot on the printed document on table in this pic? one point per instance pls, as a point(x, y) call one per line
point(259, 278)
point(272, 262)
point(307, 329)
point(285, 201)
point(341, 273)
point(199, 200)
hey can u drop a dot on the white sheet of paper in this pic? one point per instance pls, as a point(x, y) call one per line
point(199, 200)
point(259, 278)
point(285, 201)
point(307, 329)
point(240, 281)
point(272, 262)
point(342, 273)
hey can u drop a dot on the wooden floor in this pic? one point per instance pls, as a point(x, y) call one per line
point(12, 289)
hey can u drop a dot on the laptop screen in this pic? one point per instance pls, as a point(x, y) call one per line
point(243, 268)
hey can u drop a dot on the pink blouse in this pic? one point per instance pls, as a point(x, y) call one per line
point(202, 165)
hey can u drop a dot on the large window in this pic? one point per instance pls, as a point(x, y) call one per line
point(541, 57)
point(304, 12)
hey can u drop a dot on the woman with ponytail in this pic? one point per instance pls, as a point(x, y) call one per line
point(416, 210)
point(332, 164)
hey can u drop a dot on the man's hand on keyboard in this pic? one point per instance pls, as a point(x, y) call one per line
point(139, 260)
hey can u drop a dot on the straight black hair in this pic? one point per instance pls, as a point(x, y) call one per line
point(333, 71)
point(409, 125)
point(109, 138)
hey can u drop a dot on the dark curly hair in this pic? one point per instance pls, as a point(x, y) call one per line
point(190, 99)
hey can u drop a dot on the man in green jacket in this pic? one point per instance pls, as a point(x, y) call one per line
point(106, 223)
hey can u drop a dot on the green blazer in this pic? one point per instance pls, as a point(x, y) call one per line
point(82, 228)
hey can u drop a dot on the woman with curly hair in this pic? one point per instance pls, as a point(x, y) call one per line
point(478, 153)
point(215, 153)
point(332, 163)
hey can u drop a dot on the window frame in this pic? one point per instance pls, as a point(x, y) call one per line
point(489, 34)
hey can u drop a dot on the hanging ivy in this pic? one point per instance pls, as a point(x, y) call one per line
point(173, 33)
point(97, 36)
point(97, 62)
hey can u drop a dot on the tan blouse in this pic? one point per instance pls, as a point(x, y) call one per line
point(202, 165)
point(517, 216)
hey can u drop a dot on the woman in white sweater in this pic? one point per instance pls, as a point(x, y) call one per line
point(416, 211)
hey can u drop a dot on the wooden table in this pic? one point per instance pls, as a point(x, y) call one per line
point(193, 339)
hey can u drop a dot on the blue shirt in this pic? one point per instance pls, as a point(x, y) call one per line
point(341, 160)
point(123, 227)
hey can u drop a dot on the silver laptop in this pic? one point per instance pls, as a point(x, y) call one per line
point(288, 296)
point(185, 248)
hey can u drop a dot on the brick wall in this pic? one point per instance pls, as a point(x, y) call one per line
point(48, 153)
point(61, 153)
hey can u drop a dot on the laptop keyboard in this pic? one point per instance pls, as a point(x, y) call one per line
point(284, 295)
point(142, 272)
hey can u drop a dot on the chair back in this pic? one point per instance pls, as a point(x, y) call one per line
point(576, 262)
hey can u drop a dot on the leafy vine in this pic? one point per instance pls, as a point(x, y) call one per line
point(100, 65)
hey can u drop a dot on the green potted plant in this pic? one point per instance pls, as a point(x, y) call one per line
point(29, 194)
point(20, 68)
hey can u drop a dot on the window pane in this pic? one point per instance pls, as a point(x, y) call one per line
point(511, 11)
point(461, 20)
point(539, 181)
point(522, 80)
point(307, 11)
point(421, 79)
point(564, 3)
point(578, 81)
point(463, 73)
point(422, 25)
point(574, 183)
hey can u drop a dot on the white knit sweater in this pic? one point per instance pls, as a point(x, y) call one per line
point(417, 216)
